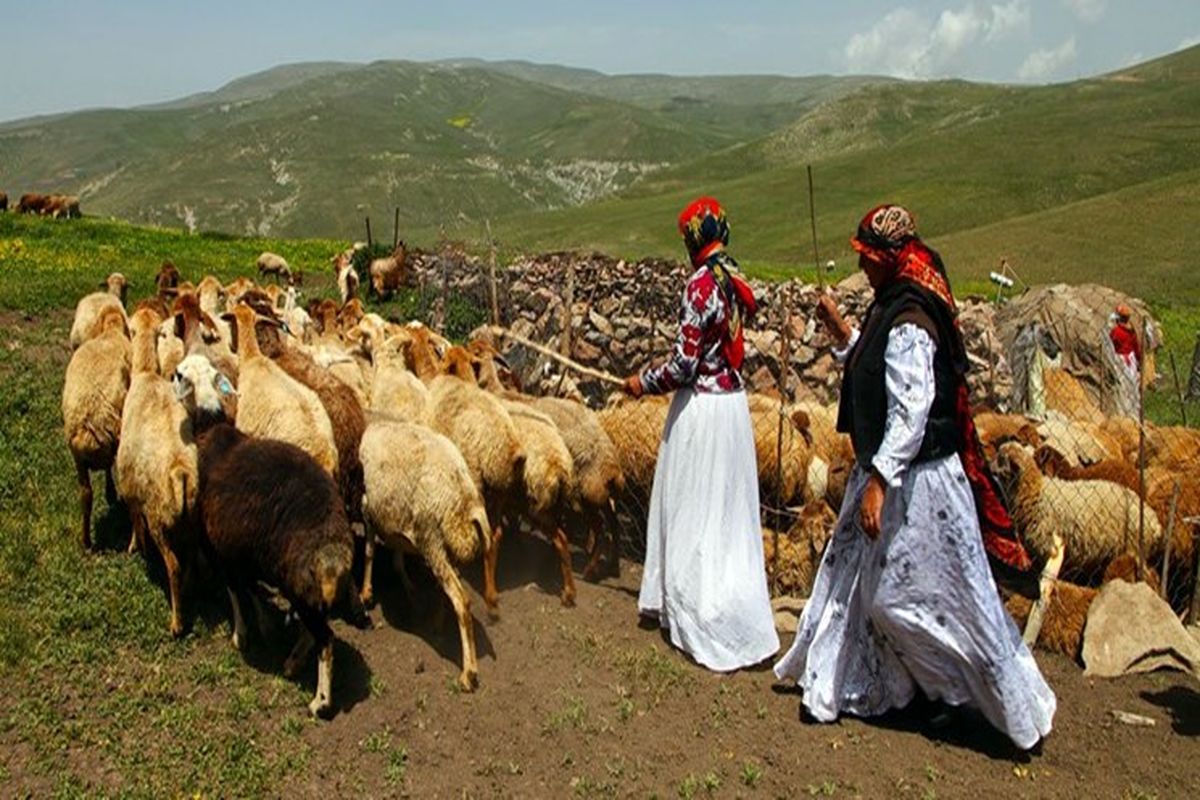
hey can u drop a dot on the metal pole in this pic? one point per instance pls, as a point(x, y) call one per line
point(369, 242)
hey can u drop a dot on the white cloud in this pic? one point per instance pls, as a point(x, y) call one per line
point(909, 45)
point(1044, 64)
point(1087, 10)
point(1008, 19)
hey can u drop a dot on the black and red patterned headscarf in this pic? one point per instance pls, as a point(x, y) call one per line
point(705, 233)
point(887, 235)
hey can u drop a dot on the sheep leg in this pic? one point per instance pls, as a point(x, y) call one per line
point(85, 503)
point(137, 538)
point(295, 660)
point(490, 596)
point(468, 679)
point(239, 621)
point(110, 488)
point(174, 582)
point(1037, 614)
point(564, 558)
point(367, 594)
point(322, 702)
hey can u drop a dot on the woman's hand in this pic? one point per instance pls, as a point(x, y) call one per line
point(632, 386)
point(871, 512)
point(831, 318)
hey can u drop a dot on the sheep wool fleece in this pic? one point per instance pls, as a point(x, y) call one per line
point(704, 576)
point(917, 605)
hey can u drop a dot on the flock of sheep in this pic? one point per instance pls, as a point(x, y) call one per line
point(276, 442)
point(48, 205)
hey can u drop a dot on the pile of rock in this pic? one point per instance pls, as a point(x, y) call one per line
point(623, 315)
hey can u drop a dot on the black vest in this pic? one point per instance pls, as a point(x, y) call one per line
point(862, 410)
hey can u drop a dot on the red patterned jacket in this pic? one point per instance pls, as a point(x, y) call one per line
point(698, 359)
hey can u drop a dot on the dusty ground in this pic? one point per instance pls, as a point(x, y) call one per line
point(584, 702)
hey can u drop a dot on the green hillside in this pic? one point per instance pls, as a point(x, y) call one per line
point(962, 155)
point(311, 148)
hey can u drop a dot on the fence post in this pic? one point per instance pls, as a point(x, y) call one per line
point(369, 242)
point(1194, 378)
point(1139, 573)
point(568, 302)
point(492, 273)
point(1170, 531)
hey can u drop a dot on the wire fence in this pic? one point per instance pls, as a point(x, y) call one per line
point(1086, 430)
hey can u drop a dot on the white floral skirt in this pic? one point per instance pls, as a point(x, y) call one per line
point(916, 607)
point(704, 575)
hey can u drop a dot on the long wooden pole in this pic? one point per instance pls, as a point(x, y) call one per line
point(492, 273)
point(812, 215)
point(599, 375)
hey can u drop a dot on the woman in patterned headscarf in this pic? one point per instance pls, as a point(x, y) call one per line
point(904, 598)
point(704, 579)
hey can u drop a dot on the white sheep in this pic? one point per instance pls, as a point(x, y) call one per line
point(274, 405)
point(94, 389)
point(156, 467)
point(420, 497)
point(272, 264)
point(1076, 527)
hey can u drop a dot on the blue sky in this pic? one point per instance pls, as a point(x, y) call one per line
point(69, 54)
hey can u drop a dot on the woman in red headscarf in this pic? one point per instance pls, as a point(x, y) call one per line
point(704, 578)
point(904, 598)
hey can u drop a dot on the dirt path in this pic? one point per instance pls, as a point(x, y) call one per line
point(583, 702)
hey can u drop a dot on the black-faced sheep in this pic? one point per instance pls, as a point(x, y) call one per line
point(94, 389)
point(420, 497)
point(87, 310)
point(270, 512)
point(156, 460)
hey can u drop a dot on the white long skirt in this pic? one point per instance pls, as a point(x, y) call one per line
point(704, 575)
point(917, 606)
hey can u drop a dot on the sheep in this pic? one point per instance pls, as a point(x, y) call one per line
point(156, 468)
point(544, 498)
point(792, 567)
point(420, 497)
point(270, 512)
point(87, 310)
point(274, 265)
point(1172, 447)
point(1077, 442)
point(635, 428)
point(1066, 395)
point(395, 389)
point(347, 277)
point(62, 206)
point(342, 406)
point(995, 429)
point(482, 429)
point(387, 274)
point(1076, 526)
point(598, 477)
point(31, 203)
point(1067, 610)
point(94, 389)
point(273, 404)
point(201, 335)
point(765, 421)
point(166, 283)
point(234, 291)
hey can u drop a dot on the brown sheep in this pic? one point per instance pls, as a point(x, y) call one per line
point(1066, 395)
point(765, 419)
point(270, 513)
point(1068, 606)
point(635, 428)
point(94, 389)
point(792, 567)
point(388, 274)
point(201, 335)
point(31, 203)
point(166, 283)
point(87, 310)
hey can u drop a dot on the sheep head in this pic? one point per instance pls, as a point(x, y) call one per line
point(116, 285)
point(203, 390)
point(461, 364)
point(112, 318)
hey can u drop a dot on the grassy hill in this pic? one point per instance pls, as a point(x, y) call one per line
point(311, 148)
